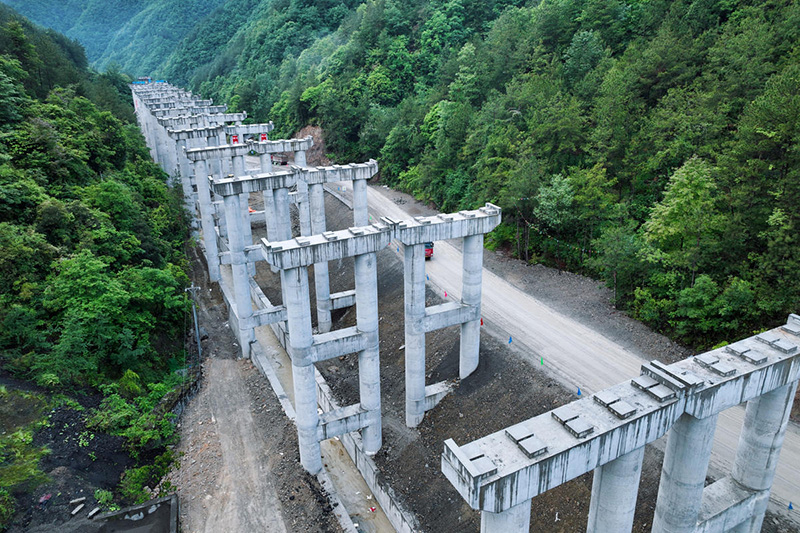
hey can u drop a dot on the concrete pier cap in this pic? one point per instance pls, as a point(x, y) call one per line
point(505, 469)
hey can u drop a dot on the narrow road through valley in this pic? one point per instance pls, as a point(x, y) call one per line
point(576, 354)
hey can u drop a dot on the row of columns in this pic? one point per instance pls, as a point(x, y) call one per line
point(183, 131)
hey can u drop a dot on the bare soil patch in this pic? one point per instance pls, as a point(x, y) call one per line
point(239, 461)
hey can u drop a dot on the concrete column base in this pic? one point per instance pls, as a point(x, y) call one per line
point(517, 519)
point(614, 491)
point(683, 474)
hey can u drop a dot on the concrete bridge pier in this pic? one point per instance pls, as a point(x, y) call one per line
point(414, 295)
point(516, 519)
point(283, 228)
point(369, 366)
point(244, 200)
point(614, 491)
point(316, 201)
point(311, 205)
point(683, 474)
point(179, 145)
point(360, 212)
point(472, 254)
point(224, 163)
point(296, 296)
point(764, 428)
point(207, 219)
point(241, 279)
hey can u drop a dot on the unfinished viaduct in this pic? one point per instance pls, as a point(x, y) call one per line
point(202, 148)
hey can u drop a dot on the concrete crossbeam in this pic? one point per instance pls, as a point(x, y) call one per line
point(189, 110)
point(336, 344)
point(446, 315)
point(200, 132)
point(340, 300)
point(282, 145)
point(435, 393)
point(336, 173)
point(249, 129)
point(222, 151)
point(505, 476)
point(343, 420)
point(265, 317)
point(305, 251)
point(446, 226)
point(252, 254)
point(726, 504)
point(281, 179)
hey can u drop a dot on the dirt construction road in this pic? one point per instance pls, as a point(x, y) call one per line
point(245, 492)
point(579, 356)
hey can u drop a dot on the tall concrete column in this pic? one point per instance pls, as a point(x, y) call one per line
point(269, 213)
point(369, 365)
point(360, 212)
point(215, 165)
point(683, 474)
point(266, 162)
point(283, 224)
point(207, 219)
point(303, 210)
point(295, 284)
point(414, 294)
point(241, 280)
point(300, 158)
point(471, 295)
point(247, 227)
point(225, 163)
point(614, 491)
point(179, 148)
point(168, 148)
point(517, 519)
point(760, 442)
point(244, 199)
point(316, 202)
point(269, 199)
point(155, 148)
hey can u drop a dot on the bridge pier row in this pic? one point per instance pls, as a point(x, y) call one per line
point(472, 254)
point(614, 491)
point(763, 431)
point(241, 279)
point(296, 295)
point(414, 295)
point(369, 367)
point(207, 219)
point(683, 474)
point(516, 519)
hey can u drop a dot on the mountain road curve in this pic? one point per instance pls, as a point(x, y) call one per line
point(575, 354)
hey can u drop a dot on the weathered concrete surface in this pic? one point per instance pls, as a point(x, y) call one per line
point(509, 467)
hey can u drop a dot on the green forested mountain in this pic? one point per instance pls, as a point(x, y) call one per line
point(652, 143)
point(92, 264)
point(137, 35)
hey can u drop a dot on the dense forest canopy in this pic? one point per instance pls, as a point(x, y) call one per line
point(92, 262)
point(652, 143)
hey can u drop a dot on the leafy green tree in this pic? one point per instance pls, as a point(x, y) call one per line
point(25, 257)
point(687, 221)
point(583, 55)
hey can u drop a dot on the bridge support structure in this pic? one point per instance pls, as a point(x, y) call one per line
point(419, 320)
point(499, 474)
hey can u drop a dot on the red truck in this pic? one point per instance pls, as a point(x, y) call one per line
point(428, 250)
